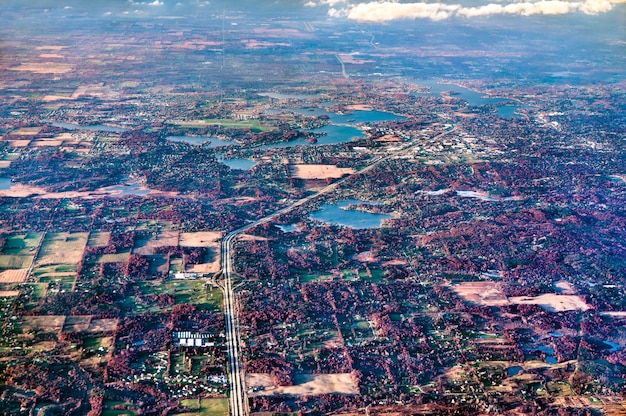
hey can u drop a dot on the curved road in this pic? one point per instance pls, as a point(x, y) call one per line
point(238, 398)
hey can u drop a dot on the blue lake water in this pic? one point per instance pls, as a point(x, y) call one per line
point(129, 189)
point(342, 128)
point(93, 127)
point(198, 140)
point(515, 370)
point(288, 228)
point(550, 359)
point(339, 214)
point(238, 164)
point(614, 346)
point(472, 97)
point(5, 184)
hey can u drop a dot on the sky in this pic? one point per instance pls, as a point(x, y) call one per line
point(374, 11)
point(389, 10)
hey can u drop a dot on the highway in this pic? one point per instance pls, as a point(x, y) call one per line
point(238, 398)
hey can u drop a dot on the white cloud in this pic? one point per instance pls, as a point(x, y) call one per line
point(384, 11)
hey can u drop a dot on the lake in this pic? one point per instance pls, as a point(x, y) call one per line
point(128, 189)
point(198, 140)
point(92, 127)
point(5, 184)
point(341, 130)
point(340, 214)
point(473, 98)
point(288, 228)
point(237, 163)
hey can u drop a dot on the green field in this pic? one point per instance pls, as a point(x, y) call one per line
point(21, 244)
point(208, 407)
point(15, 262)
point(107, 409)
point(191, 292)
point(253, 125)
point(113, 258)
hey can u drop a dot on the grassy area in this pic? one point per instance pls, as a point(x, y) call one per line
point(113, 258)
point(62, 248)
point(108, 409)
point(98, 239)
point(15, 261)
point(308, 278)
point(208, 407)
point(39, 290)
point(21, 244)
point(253, 125)
point(192, 292)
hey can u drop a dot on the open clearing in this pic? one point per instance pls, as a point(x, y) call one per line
point(210, 239)
point(201, 239)
point(162, 239)
point(553, 303)
point(481, 293)
point(318, 171)
point(13, 276)
point(99, 239)
point(44, 68)
point(62, 248)
point(9, 293)
point(51, 323)
point(15, 262)
point(208, 407)
point(88, 324)
point(304, 384)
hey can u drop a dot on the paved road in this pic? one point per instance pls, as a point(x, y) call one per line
point(238, 398)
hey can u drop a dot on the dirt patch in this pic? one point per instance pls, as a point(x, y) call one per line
point(26, 131)
point(5, 164)
point(305, 384)
point(481, 293)
point(553, 303)
point(44, 68)
point(359, 107)
point(565, 288)
point(9, 293)
point(201, 239)
point(366, 257)
point(19, 143)
point(13, 276)
point(318, 171)
point(210, 239)
point(47, 142)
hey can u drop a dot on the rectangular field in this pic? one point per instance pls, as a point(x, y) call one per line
point(62, 248)
point(13, 262)
point(98, 239)
point(318, 171)
point(161, 239)
point(304, 384)
point(13, 276)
